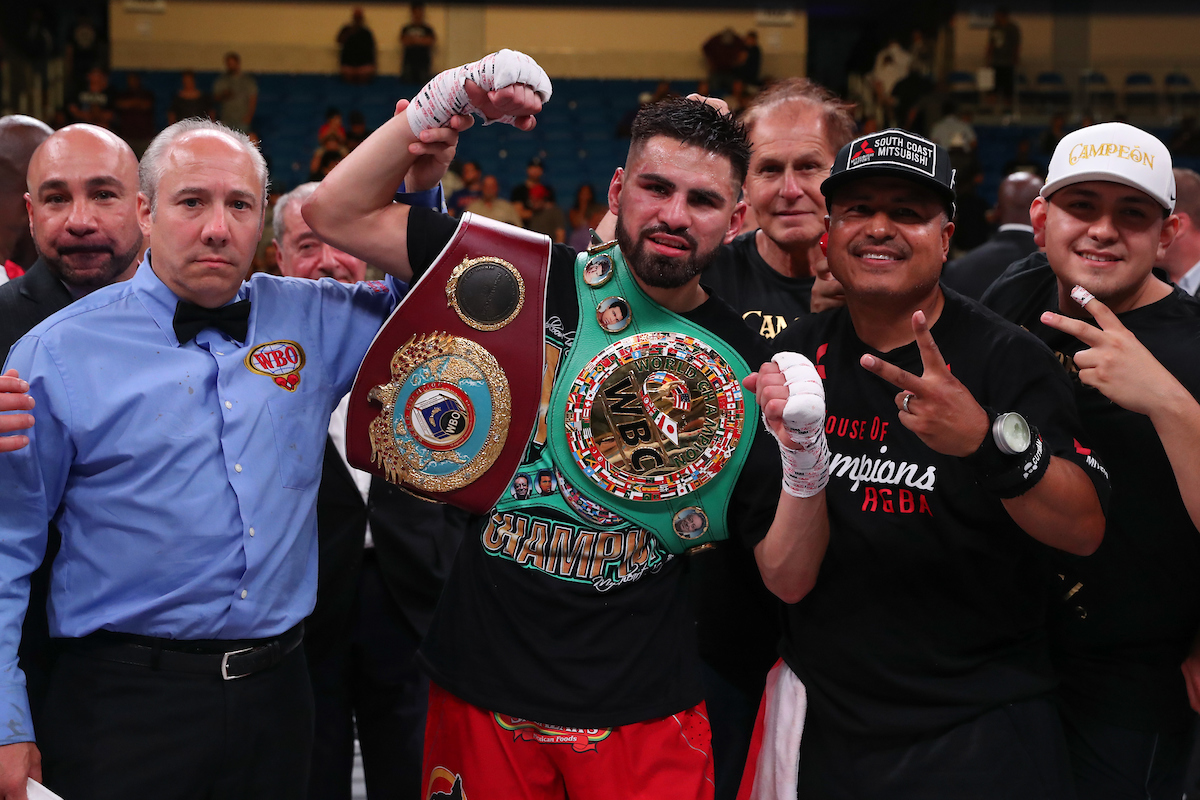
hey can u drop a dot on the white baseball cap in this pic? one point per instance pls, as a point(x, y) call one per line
point(1116, 152)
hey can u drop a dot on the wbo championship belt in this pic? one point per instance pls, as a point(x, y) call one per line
point(447, 397)
point(648, 422)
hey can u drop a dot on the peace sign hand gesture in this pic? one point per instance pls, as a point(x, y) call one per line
point(935, 405)
point(1115, 362)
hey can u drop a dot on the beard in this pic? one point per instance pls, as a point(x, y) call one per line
point(662, 272)
point(93, 277)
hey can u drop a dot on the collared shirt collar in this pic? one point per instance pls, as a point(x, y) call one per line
point(1190, 280)
point(160, 301)
point(1015, 226)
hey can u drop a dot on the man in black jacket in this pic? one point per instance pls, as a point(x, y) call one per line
point(383, 557)
point(973, 273)
point(82, 205)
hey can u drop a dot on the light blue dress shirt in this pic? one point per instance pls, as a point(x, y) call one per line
point(183, 477)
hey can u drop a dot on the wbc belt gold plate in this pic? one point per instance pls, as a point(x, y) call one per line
point(654, 416)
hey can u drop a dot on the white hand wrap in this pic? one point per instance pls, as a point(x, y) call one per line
point(446, 95)
point(805, 471)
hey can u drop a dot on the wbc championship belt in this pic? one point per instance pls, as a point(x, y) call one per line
point(649, 423)
point(446, 399)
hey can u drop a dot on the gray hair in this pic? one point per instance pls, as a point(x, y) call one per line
point(152, 168)
point(297, 195)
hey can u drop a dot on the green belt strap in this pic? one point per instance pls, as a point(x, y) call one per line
point(673, 471)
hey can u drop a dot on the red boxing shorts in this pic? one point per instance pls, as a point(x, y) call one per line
point(475, 754)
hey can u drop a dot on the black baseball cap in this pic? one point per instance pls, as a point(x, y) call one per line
point(898, 154)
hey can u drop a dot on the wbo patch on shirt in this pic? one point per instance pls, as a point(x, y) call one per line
point(280, 360)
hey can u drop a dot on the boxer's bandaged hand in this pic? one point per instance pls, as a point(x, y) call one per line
point(446, 95)
point(805, 470)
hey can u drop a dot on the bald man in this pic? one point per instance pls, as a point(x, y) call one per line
point(81, 203)
point(1182, 260)
point(19, 137)
point(81, 200)
point(974, 272)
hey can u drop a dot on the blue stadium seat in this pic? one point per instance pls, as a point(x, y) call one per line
point(1140, 92)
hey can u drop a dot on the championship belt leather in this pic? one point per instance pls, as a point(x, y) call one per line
point(648, 420)
point(447, 397)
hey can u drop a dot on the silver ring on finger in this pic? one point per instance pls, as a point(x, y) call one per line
point(908, 396)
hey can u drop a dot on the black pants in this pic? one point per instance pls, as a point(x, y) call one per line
point(1114, 763)
point(370, 682)
point(1017, 751)
point(119, 731)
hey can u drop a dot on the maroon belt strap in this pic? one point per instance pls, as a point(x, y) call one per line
point(447, 397)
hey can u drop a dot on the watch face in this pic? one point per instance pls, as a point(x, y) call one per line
point(1012, 433)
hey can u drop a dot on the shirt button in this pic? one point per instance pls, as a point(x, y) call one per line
point(252, 531)
point(228, 404)
point(237, 467)
point(244, 593)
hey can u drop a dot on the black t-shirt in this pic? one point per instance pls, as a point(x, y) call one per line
point(766, 300)
point(1135, 603)
point(518, 632)
point(929, 608)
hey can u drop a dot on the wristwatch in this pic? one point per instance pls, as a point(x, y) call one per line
point(1012, 459)
point(1011, 433)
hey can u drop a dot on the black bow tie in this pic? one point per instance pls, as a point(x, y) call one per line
point(232, 320)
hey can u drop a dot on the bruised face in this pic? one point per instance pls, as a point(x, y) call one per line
point(675, 205)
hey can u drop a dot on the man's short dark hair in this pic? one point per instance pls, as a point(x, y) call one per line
point(694, 123)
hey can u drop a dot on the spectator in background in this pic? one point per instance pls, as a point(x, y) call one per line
point(236, 94)
point(1003, 54)
point(892, 63)
point(911, 97)
point(954, 126)
point(970, 224)
point(19, 137)
point(584, 209)
point(471, 189)
point(490, 204)
point(751, 71)
point(1186, 140)
point(358, 59)
point(417, 39)
point(86, 50)
point(973, 273)
point(36, 44)
point(332, 126)
point(1182, 259)
point(726, 55)
point(1053, 134)
point(357, 132)
point(533, 177)
point(94, 104)
point(545, 216)
point(189, 100)
point(1024, 161)
point(135, 113)
point(328, 155)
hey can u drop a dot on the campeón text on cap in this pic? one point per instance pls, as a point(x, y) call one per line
point(1116, 152)
point(894, 153)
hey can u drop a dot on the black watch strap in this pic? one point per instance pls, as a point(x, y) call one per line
point(1008, 475)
